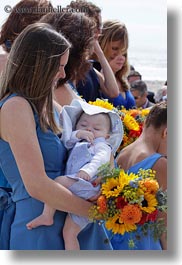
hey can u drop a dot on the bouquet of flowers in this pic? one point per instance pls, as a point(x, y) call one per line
point(128, 201)
point(132, 119)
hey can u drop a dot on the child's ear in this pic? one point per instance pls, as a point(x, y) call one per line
point(164, 133)
point(107, 136)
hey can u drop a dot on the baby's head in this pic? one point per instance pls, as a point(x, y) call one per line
point(104, 122)
point(98, 124)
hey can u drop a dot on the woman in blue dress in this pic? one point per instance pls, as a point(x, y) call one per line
point(114, 43)
point(31, 153)
point(147, 152)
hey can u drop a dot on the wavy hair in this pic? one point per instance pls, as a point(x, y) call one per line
point(32, 65)
point(79, 30)
point(23, 14)
point(89, 8)
point(114, 30)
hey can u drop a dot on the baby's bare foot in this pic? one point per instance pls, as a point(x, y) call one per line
point(40, 220)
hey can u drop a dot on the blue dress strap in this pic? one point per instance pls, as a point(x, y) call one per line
point(2, 101)
point(146, 163)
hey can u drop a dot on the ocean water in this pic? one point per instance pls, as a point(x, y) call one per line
point(152, 64)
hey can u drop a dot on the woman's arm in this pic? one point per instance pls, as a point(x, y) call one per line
point(19, 130)
point(108, 83)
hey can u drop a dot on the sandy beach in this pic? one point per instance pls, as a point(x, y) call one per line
point(154, 85)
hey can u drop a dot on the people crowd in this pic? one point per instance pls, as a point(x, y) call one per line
point(52, 140)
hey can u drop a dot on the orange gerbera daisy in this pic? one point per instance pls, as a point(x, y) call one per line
point(131, 214)
point(102, 204)
point(151, 186)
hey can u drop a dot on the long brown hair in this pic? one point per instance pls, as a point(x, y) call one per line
point(114, 30)
point(79, 30)
point(33, 62)
point(24, 13)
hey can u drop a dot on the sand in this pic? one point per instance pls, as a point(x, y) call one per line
point(154, 85)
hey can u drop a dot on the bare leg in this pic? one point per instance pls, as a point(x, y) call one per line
point(70, 233)
point(46, 218)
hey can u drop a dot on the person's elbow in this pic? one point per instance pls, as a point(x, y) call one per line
point(34, 192)
point(36, 188)
point(112, 93)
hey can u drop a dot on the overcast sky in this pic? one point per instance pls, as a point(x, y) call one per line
point(146, 20)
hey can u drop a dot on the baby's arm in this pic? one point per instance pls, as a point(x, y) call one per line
point(77, 136)
point(83, 175)
point(102, 156)
point(85, 135)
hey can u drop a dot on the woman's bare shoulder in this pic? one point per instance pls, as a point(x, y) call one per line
point(160, 164)
point(15, 103)
point(16, 109)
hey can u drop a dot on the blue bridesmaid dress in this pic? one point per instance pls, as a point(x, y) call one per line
point(120, 101)
point(93, 237)
point(120, 242)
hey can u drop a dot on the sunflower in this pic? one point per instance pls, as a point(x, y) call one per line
point(131, 123)
point(117, 226)
point(111, 188)
point(124, 178)
point(149, 203)
point(102, 103)
point(145, 112)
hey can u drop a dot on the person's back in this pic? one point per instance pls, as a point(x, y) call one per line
point(147, 152)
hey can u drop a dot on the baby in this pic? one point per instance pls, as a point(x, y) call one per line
point(89, 149)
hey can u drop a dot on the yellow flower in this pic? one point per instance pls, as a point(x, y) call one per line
point(102, 103)
point(117, 226)
point(149, 204)
point(111, 188)
point(145, 112)
point(130, 122)
point(124, 178)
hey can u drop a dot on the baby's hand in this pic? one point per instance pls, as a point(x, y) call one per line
point(86, 135)
point(83, 175)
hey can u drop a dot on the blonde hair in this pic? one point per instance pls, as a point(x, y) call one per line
point(114, 30)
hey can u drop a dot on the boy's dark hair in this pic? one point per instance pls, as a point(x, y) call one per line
point(157, 116)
